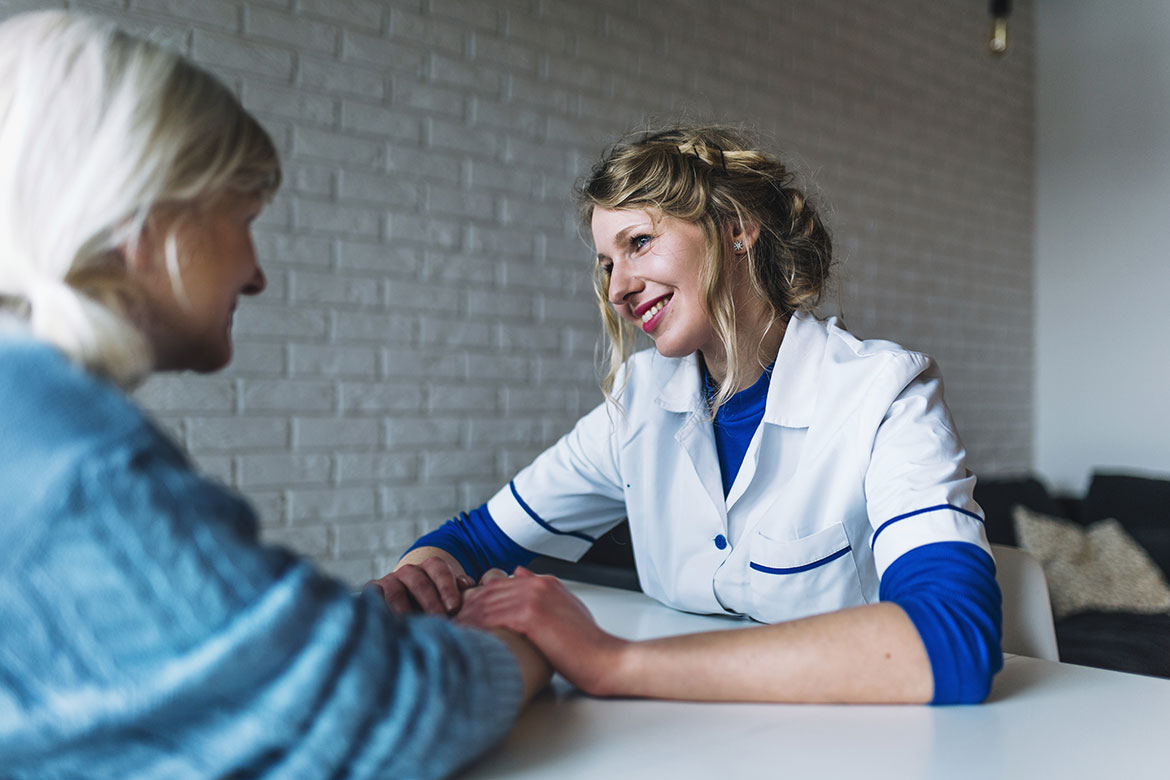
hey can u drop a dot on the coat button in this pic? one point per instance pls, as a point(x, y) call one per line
point(721, 542)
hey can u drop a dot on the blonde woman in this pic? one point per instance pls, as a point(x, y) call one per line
point(146, 633)
point(770, 464)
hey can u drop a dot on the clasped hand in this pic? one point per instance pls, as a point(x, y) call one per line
point(542, 609)
point(538, 607)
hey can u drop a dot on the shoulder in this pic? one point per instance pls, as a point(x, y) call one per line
point(64, 428)
point(848, 359)
point(51, 402)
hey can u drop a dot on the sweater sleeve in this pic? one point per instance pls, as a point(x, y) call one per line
point(159, 638)
point(949, 591)
point(476, 541)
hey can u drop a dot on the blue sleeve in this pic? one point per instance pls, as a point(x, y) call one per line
point(477, 543)
point(949, 591)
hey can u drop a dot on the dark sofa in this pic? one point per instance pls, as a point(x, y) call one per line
point(1123, 641)
point(1128, 642)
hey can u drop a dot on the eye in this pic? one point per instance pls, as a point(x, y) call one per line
point(639, 242)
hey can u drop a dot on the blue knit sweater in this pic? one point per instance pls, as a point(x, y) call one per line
point(144, 632)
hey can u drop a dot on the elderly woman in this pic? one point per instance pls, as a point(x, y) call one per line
point(146, 633)
point(771, 465)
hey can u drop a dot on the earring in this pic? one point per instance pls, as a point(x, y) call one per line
point(737, 246)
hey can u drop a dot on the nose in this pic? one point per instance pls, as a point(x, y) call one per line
point(622, 283)
point(257, 283)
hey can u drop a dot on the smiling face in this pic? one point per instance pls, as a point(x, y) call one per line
point(654, 265)
point(190, 328)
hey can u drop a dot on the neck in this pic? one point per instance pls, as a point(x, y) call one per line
point(755, 355)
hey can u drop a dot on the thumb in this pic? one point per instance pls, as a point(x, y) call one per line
point(522, 572)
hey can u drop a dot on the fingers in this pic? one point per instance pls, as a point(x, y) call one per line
point(393, 594)
point(443, 582)
point(492, 575)
point(429, 587)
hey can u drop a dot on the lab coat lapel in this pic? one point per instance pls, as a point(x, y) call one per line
point(792, 393)
point(683, 395)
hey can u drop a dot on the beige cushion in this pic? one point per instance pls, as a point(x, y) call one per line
point(1098, 566)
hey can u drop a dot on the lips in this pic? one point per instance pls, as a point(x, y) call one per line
point(650, 312)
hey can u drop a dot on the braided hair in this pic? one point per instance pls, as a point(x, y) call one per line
point(716, 178)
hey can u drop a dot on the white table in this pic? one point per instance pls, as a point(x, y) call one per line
point(1043, 720)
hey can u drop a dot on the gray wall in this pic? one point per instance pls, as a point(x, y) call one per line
point(1102, 232)
point(428, 326)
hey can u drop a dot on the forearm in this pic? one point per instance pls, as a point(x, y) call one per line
point(869, 654)
point(420, 554)
point(534, 669)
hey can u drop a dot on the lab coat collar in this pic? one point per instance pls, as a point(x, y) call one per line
point(793, 390)
point(683, 391)
point(796, 379)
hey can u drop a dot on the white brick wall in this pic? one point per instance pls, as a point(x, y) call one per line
point(428, 326)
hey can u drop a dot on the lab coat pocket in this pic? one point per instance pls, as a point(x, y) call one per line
point(800, 577)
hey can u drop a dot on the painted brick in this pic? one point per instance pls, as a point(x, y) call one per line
point(282, 469)
point(292, 250)
point(357, 13)
point(332, 77)
point(295, 31)
point(293, 104)
point(333, 360)
point(408, 363)
point(430, 149)
point(447, 333)
point(427, 32)
point(421, 433)
point(312, 541)
point(380, 121)
point(407, 93)
point(388, 55)
point(250, 57)
point(257, 319)
point(330, 503)
point(457, 465)
point(286, 395)
point(169, 393)
point(236, 433)
point(445, 398)
point(343, 220)
point(375, 327)
point(375, 467)
point(327, 432)
point(309, 287)
point(361, 256)
point(337, 147)
point(379, 398)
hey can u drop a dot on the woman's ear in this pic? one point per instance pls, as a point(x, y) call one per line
point(744, 235)
point(137, 252)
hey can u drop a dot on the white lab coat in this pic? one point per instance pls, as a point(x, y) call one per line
point(856, 461)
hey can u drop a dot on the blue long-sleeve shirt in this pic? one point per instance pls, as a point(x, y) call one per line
point(144, 632)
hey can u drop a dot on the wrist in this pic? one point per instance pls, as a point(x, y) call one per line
point(534, 668)
point(618, 673)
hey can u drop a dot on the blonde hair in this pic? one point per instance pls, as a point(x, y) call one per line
point(96, 128)
point(716, 178)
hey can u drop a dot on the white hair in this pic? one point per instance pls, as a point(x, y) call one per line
point(96, 128)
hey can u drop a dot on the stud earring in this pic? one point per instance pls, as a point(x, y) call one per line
point(737, 246)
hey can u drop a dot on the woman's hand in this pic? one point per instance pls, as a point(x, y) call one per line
point(557, 622)
point(427, 580)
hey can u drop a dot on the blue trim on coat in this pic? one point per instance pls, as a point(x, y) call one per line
point(805, 567)
point(893, 520)
point(544, 524)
